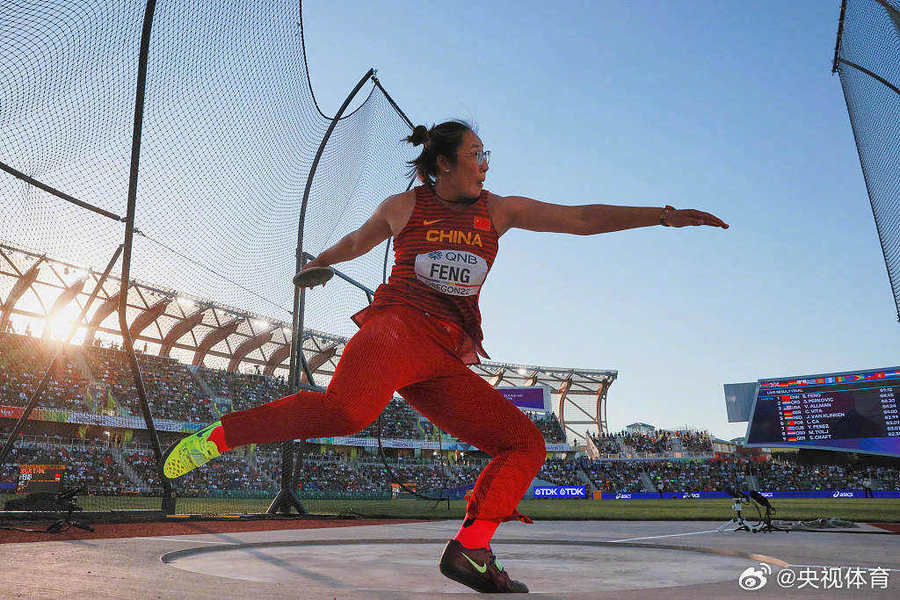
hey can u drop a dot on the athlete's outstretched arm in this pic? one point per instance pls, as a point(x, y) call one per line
point(356, 243)
point(590, 219)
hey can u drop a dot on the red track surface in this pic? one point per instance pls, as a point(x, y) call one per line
point(894, 527)
point(121, 530)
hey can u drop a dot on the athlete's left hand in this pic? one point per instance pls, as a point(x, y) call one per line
point(688, 217)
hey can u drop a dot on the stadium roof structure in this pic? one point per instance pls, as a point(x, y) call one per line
point(44, 297)
point(640, 424)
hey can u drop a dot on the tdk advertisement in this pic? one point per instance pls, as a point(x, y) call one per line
point(561, 492)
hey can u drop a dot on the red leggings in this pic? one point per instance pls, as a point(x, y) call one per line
point(401, 349)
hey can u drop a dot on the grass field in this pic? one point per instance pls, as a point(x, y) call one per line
point(856, 509)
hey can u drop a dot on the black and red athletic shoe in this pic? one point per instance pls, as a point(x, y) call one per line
point(478, 569)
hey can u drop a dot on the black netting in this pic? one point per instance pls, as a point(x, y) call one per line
point(368, 145)
point(868, 61)
point(230, 131)
point(229, 134)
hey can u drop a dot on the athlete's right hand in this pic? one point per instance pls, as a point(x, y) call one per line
point(688, 217)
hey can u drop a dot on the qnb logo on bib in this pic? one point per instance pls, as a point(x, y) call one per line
point(452, 272)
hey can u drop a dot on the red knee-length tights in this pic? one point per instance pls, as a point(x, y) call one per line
point(402, 349)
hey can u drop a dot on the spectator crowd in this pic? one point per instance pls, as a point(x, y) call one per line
point(98, 380)
point(105, 470)
point(627, 444)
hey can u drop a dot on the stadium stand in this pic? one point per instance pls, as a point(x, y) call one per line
point(243, 390)
point(399, 421)
point(606, 444)
point(254, 471)
point(117, 461)
point(97, 380)
point(549, 426)
point(613, 476)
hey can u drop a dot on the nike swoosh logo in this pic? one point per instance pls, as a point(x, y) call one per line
point(479, 568)
point(432, 222)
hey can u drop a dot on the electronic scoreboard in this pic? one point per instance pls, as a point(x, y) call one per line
point(851, 412)
point(40, 478)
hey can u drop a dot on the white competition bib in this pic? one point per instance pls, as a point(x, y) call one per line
point(452, 272)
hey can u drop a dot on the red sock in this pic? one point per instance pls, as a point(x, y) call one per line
point(218, 438)
point(476, 533)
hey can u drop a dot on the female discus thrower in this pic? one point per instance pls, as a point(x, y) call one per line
point(422, 329)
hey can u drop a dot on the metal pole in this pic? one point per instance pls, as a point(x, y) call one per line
point(840, 34)
point(168, 501)
point(300, 295)
point(59, 194)
point(287, 498)
point(394, 104)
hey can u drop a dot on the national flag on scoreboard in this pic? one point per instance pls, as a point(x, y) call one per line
point(792, 439)
point(785, 398)
point(829, 380)
point(838, 379)
point(788, 413)
point(858, 377)
point(791, 423)
point(820, 380)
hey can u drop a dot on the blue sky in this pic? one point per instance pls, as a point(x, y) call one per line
point(722, 106)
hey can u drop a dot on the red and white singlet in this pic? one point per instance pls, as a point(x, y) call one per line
point(441, 260)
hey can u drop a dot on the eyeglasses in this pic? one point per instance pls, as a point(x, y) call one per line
point(482, 157)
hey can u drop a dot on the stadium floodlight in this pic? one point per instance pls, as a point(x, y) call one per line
point(260, 324)
point(185, 302)
point(522, 371)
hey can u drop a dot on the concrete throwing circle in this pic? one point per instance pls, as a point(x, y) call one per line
point(411, 565)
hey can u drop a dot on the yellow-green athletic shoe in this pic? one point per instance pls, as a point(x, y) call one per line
point(190, 452)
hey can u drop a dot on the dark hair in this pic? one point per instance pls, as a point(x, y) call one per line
point(441, 140)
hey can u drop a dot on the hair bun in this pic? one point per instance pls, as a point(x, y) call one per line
point(419, 136)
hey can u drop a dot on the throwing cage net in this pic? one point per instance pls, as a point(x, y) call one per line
point(867, 58)
point(170, 146)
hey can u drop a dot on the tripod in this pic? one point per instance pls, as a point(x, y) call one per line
point(737, 522)
point(766, 525)
point(66, 500)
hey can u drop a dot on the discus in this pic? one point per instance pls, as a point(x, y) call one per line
point(313, 276)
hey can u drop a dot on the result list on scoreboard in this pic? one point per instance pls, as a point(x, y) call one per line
point(837, 407)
